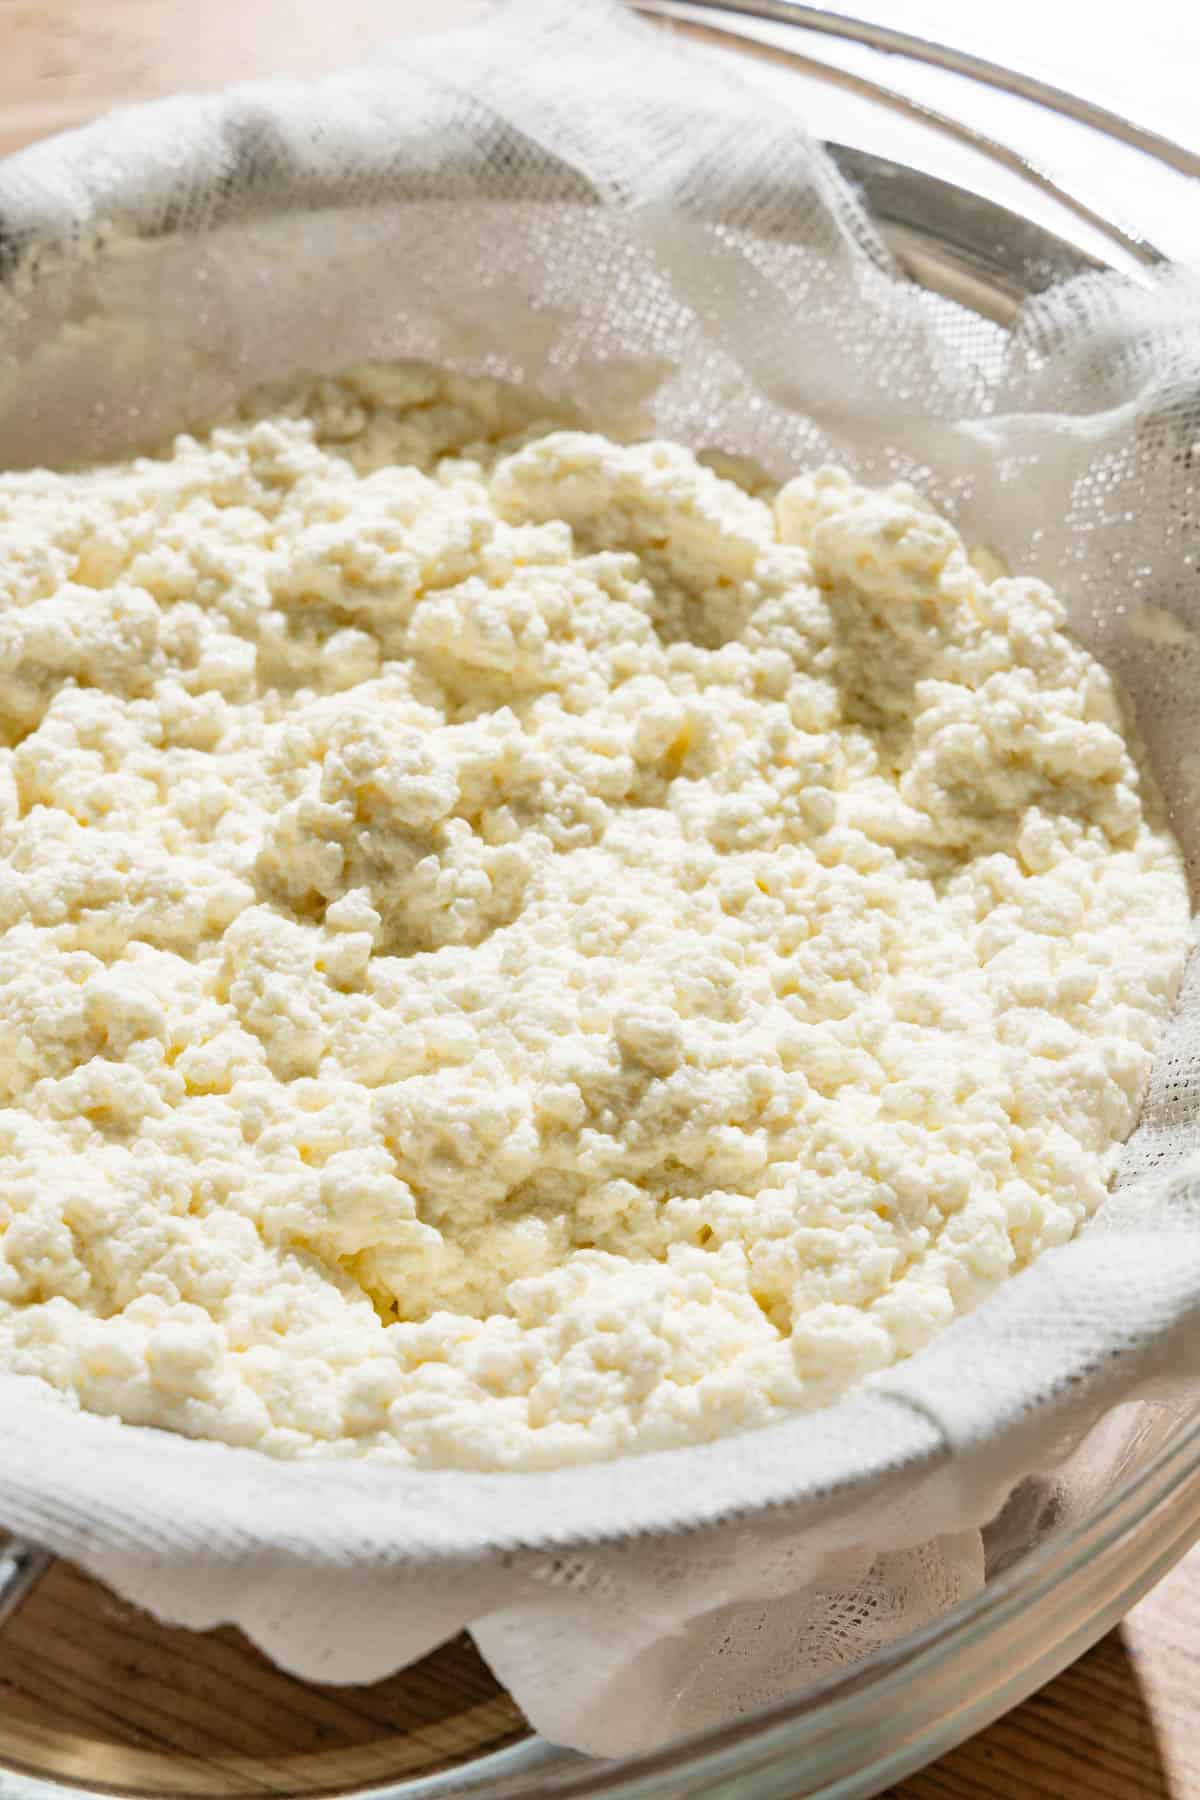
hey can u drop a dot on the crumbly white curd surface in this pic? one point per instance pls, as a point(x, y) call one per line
point(516, 948)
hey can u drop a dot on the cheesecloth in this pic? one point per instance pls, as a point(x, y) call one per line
point(566, 198)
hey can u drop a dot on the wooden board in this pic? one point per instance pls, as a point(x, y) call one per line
point(95, 1692)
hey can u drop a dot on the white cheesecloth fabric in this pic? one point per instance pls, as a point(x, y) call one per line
point(570, 199)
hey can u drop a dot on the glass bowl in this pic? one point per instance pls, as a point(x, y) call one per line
point(1067, 1555)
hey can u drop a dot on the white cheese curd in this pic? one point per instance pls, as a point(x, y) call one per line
point(516, 948)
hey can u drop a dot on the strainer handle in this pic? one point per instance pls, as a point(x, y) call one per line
point(21, 1565)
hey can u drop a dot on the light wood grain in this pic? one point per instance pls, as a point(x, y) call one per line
point(64, 61)
point(93, 1691)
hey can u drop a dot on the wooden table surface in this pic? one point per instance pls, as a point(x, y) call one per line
point(1122, 1724)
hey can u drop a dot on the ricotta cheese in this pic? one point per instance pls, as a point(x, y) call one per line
point(517, 947)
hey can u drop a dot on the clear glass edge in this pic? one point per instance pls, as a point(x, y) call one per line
point(791, 1725)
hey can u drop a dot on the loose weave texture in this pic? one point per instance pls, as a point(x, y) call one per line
point(568, 199)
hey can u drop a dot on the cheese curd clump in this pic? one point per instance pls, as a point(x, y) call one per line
point(517, 947)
